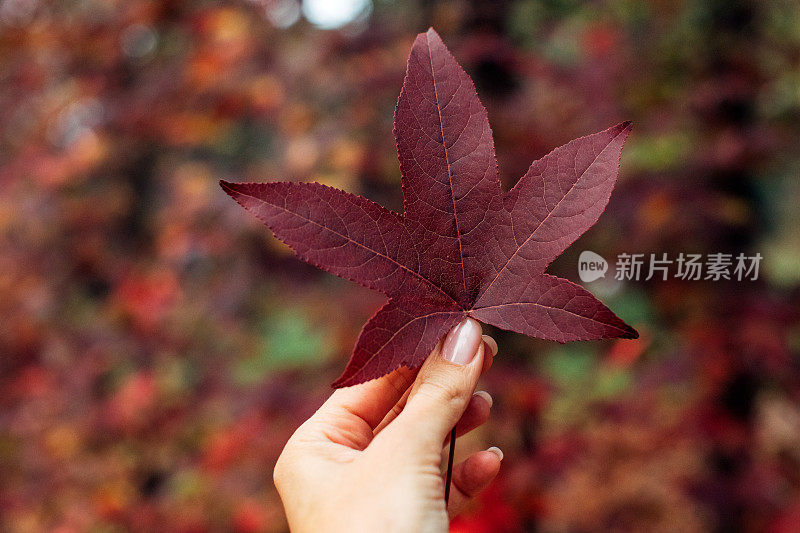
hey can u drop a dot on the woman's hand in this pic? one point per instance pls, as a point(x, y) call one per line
point(370, 458)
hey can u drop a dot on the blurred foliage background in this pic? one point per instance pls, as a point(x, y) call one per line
point(158, 346)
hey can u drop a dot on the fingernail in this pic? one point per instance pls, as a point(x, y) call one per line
point(491, 343)
point(486, 396)
point(497, 451)
point(462, 343)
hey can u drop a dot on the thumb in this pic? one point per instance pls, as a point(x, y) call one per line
point(444, 385)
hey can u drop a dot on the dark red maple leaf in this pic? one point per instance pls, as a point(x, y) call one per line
point(463, 246)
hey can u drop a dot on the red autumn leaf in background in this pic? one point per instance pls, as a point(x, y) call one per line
point(463, 246)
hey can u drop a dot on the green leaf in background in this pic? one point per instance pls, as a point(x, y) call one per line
point(610, 382)
point(580, 379)
point(569, 366)
point(781, 246)
point(634, 305)
point(288, 340)
point(659, 153)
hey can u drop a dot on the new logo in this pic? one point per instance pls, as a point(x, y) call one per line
point(591, 266)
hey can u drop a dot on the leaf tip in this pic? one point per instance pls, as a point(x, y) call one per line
point(623, 128)
point(432, 37)
point(228, 187)
point(630, 333)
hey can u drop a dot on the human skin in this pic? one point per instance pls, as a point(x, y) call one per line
point(370, 458)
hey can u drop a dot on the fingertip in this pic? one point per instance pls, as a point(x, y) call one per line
point(472, 476)
point(478, 471)
point(489, 351)
point(497, 451)
point(491, 343)
point(462, 343)
point(486, 396)
point(485, 466)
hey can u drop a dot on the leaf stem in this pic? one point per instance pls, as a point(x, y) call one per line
point(450, 458)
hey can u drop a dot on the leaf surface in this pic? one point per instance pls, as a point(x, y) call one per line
point(347, 235)
point(402, 333)
point(463, 246)
point(448, 164)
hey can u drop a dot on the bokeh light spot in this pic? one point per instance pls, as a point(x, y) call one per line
point(332, 14)
point(138, 40)
point(283, 13)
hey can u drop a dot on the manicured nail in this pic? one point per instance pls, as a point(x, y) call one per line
point(462, 343)
point(497, 451)
point(486, 396)
point(491, 343)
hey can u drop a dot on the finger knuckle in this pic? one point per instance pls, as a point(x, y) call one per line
point(442, 392)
